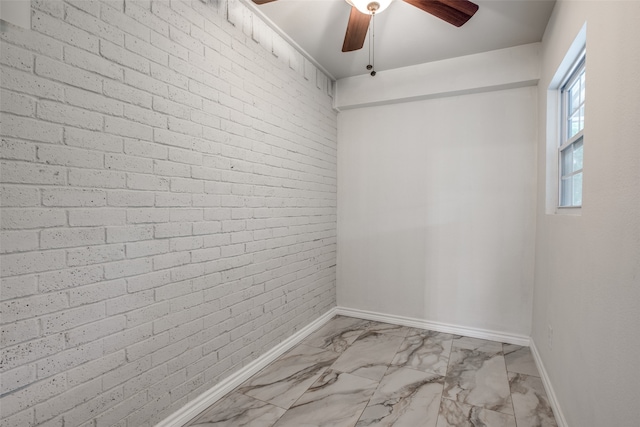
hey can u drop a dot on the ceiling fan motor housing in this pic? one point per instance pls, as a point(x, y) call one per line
point(369, 7)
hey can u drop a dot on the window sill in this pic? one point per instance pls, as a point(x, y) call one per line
point(569, 210)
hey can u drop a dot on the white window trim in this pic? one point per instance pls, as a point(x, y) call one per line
point(554, 126)
point(574, 72)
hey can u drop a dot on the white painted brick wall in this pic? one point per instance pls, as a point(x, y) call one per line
point(168, 193)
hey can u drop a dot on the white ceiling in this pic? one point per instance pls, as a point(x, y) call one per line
point(404, 34)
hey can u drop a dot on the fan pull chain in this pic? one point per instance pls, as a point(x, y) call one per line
point(372, 45)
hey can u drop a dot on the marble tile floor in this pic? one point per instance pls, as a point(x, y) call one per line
point(359, 373)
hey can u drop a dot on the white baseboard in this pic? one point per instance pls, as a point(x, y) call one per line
point(551, 395)
point(486, 334)
point(209, 397)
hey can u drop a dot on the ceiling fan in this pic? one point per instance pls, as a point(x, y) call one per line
point(455, 12)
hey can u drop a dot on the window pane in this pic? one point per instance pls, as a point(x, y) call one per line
point(577, 189)
point(577, 155)
point(567, 160)
point(582, 83)
point(574, 97)
point(565, 192)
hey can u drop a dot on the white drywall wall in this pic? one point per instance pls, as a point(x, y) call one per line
point(587, 275)
point(436, 202)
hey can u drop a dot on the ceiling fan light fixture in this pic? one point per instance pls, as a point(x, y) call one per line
point(369, 7)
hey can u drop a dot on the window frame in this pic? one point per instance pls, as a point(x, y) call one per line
point(567, 142)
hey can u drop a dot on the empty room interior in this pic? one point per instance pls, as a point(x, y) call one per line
point(339, 213)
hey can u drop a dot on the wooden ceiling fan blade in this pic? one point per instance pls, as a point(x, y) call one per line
point(455, 12)
point(262, 1)
point(356, 30)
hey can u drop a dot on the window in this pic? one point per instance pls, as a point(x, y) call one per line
point(572, 139)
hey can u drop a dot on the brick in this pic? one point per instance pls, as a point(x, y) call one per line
point(170, 260)
point(123, 22)
point(86, 411)
point(179, 244)
point(168, 15)
point(91, 24)
point(96, 141)
point(151, 150)
point(25, 128)
point(94, 63)
point(144, 381)
point(33, 394)
point(165, 106)
point(26, 173)
point(95, 368)
point(143, 249)
point(66, 114)
point(129, 233)
point(129, 302)
point(17, 332)
point(143, 82)
point(148, 346)
point(185, 156)
point(146, 50)
point(21, 105)
point(184, 185)
point(137, 216)
point(70, 237)
point(128, 163)
point(187, 272)
point(16, 287)
point(93, 102)
point(89, 7)
point(94, 331)
point(17, 218)
point(166, 168)
point(147, 182)
point(164, 136)
point(16, 57)
point(173, 199)
point(147, 314)
point(122, 56)
point(94, 255)
point(188, 98)
point(18, 241)
point(19, 196)
point(121, 340)
point(126, 93)
point(97, 178)
point(68, 359)
point(145, 116)
point(73, 197)
point(24, 353)
point(68, 319)
point(53, 7)
point(16, 379)
point(97, 217)
point(127, 268)
point(127, 128)
point(101, 291)
point(64, 32)
point(31, 84)
point(207, 227)
point(111, 416)
point(67, 400)
point(148, 281)
point(68, 74)
point(14, 149)
point(69, 278)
